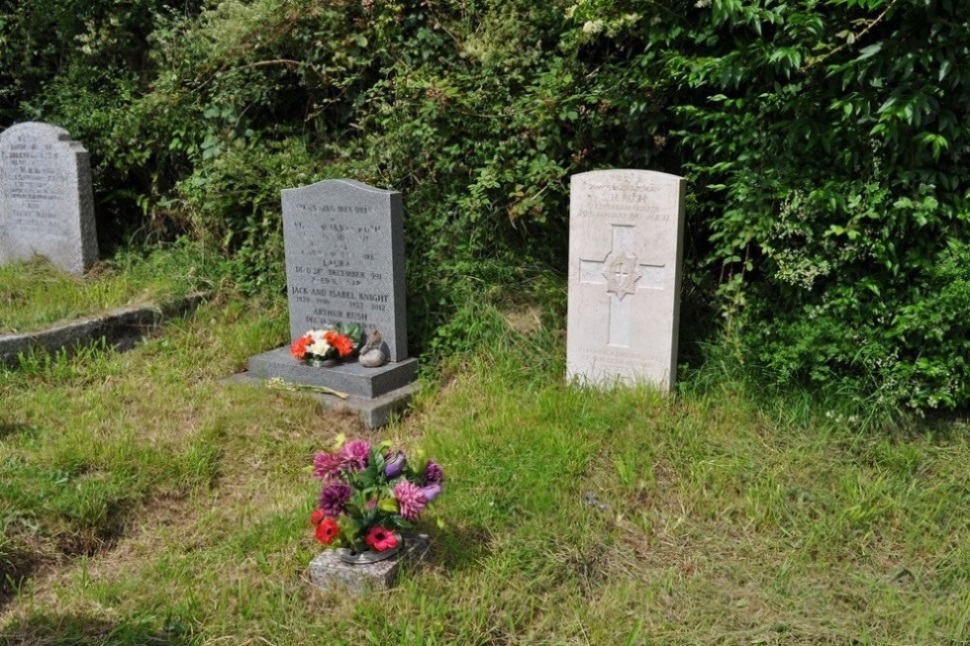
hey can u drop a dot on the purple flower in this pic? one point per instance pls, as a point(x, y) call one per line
point(433, 473)
point(354, 454)
point(334, 497)
point(430, 492)
point(410, 499)
point(326, 465)
point(395, 466)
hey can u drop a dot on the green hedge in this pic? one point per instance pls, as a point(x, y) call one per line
point(824, 143)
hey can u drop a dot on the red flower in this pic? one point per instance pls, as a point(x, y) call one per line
point(327, 530)
point(317, 516)
point(380, 539)
point(340, 341)
point(298, 349)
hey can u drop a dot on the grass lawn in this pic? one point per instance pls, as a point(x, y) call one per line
point(36, 294)
point(146, 502)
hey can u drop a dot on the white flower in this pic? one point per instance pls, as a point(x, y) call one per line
point(319, 347)
point(593, 27)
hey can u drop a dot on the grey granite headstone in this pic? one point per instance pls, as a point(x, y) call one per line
point(344, 245)
point(626, 231)
point(46, 201)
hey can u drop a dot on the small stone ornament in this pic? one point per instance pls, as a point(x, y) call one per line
point(372, 355)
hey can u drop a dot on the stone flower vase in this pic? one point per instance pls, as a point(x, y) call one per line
point(330, 571)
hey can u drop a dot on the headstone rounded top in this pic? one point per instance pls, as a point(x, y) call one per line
point(629, 175)
point(35, 125)
point(42, 130)
point(330, 184)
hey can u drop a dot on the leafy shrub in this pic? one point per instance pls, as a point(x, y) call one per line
point(232, 201)
point(823, 143)
point(830, 156)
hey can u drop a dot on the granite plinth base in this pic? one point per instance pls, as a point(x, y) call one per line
point(327, 571)
point(375, 412)
point(346, 377)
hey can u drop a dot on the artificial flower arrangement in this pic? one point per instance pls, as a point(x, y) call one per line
point(369, 492)
point(338, 342)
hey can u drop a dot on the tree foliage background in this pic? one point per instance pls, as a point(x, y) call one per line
point(825, 143)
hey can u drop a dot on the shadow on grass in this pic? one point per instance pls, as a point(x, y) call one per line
point(74, 629)
point(13, 428)
point(21, 557)
point(17, 564)
point(460, 547)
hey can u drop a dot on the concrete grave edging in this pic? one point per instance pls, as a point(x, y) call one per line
point(115, 327)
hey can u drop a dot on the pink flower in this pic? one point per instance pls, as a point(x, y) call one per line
point(326, 465)
point(354, 454)
point(381, 539)
point(410, 499)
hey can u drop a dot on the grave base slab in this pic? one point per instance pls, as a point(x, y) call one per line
point(375, 412)
point(346, 377)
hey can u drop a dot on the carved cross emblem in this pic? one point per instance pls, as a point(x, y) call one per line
point(621, 273)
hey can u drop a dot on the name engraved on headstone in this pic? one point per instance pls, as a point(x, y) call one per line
point(626, 229)
point(46, 203)
point(341, 283)
point(344, 259)
point(33, 176)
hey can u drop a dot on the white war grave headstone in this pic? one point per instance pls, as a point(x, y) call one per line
point(46, 200)
point(626, 230)
point(344, 247)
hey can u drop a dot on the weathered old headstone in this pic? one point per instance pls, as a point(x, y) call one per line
point(344, 247)
point(625, 249)
point(46, 201)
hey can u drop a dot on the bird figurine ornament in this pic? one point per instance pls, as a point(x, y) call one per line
point(372, 355)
